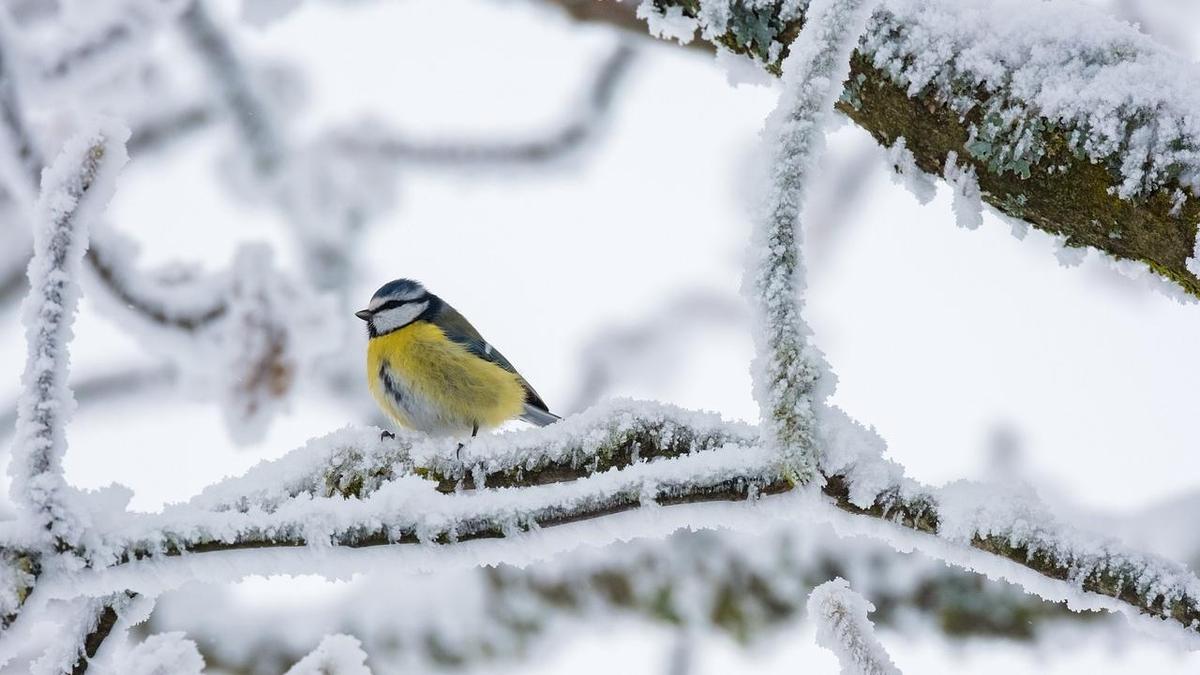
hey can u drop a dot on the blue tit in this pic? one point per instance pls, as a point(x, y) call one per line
point(430, 370)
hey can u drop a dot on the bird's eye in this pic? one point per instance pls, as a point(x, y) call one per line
point(392, 304)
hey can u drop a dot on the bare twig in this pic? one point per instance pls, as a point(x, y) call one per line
point(152, 134)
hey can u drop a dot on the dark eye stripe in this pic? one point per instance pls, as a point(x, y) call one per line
point(392, 304)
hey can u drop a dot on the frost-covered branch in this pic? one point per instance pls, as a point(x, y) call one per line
point(103, 386)
point(351, 489)
point(379, 143)
point(109, 256)
point(162, 654)
point(844, 629)
point(253, 119)
point(577, 472)
point(153, 133)
point(1087, 134)
point(747, 587)
point(92, 45)
point(336, 655)
point(93, 621)
point(75, 190)
point(325, 208)
point(787, 367)
point(620, 350)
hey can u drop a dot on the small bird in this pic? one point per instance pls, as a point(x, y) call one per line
point(430, 370)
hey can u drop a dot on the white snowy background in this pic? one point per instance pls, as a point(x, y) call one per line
point(975, 354)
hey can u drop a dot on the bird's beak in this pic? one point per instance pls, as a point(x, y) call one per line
point(364, 314)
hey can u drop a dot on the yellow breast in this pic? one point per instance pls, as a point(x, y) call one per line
point(436, 385)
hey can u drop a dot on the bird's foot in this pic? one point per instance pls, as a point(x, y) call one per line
point(386, 434)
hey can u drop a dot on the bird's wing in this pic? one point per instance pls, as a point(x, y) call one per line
point(459, 330)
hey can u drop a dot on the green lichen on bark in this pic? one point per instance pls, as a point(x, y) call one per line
point(23, 569)
point(1050, 184)
point(1128, 579)
point(1074, 199)
point(627, 442)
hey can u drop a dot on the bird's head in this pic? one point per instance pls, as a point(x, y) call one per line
point(395, 305)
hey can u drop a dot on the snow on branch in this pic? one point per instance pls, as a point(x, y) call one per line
point(75, 190)
point(377, 142)
point(336, 655)
point(110, 256)
point(253, 120)
point(748, 587)
point(88, 624)
point(163, 654)
point(93, 42)
point(1040, 100)
point(844, 629)
point(787, 367)
point(354, 490)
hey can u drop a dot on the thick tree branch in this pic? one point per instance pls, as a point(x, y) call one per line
point(747, 587)
point(354, 488)
point(1044, 177)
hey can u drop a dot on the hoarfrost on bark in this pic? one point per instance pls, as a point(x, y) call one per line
point(75, 190)
point(844, 629)
point(336, 655)
point(968, 201)
point(790, 374)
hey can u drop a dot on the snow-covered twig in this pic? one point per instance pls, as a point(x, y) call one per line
point(20, 168)
point(258, 128)
point(620, 350)
point(744, 586)
point(107, 258)
point(153, 133)
point(75, 190)
point(163, 654)
point(103, 386)
point(844, 629)
point(787, 367)
point(101, 41)
point(575, 132)
point(91, 624)
point(336, 655)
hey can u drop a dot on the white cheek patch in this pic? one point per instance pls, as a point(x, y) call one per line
point(397, 317)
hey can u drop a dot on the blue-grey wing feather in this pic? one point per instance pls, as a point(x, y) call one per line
point(458, 329)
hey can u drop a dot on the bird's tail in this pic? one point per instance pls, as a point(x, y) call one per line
point(538, 416)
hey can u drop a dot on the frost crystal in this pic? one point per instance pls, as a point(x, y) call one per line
point(968, 202)
point(1043, 65)
point(908, 174)
point(163, 654)
point(336, 655)
point(670, 24)
point(844, 629)
point(787, 367)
